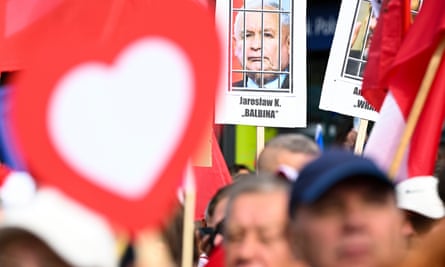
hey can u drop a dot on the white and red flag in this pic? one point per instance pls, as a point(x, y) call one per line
point(403, 76)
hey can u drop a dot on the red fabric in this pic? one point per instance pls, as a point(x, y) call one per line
point(2, 34)
point(407, 72)
point(236, 76)
point(21, 13)
point(2, 19)
point(216, 258)
point(19, 20)
point(22, 40)
point(16, 16)
point(4, 172)
point(210, 179)
point(409, 69)
point(392, 25)
point(52, 17)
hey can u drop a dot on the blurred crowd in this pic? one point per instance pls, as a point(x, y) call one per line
point(300, 207)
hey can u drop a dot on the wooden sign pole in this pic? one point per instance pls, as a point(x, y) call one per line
point(361, 136)
point(189, 212)
point(259, 141)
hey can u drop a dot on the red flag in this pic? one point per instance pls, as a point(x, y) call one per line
point(217, 257)
point(4, 172)
point(23, 32)
point(50, 17)
point(210, 179)
point(2, 33)
point(16, 16)
point(404, 81)
point(393, 22)
point(2, 17)
point(22, 23)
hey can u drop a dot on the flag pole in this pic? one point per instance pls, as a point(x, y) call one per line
point(419, 102)
point(259, 141)
point(361, 136)
point(189, 212)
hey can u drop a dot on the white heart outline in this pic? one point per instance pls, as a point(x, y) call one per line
point(166, 66)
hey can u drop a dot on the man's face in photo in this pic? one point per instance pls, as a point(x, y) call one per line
point(261, 40)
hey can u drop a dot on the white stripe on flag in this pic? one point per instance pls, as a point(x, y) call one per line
point(385, 137)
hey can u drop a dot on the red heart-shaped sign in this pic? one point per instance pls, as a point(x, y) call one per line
point(114, 123)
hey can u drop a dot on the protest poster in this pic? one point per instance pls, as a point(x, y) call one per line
point(99, 117)
point(341, 91)
point(347, 60)
point(265, 83)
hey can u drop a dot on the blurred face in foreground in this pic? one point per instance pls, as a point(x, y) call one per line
point(256, 231)
point(261, 46)
point(19, 248)
point(356, 224)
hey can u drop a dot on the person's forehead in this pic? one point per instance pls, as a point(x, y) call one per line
point(258, 208)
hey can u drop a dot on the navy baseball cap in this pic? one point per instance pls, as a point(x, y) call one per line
point(332, 167)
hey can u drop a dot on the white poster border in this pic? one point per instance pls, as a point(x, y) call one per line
point(341, 93)
point(272, 109)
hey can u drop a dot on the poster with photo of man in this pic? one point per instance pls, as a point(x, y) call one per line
point(265, 86)
point(347, 60)
point(341, 90)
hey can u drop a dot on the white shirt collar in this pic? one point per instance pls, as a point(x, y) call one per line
point(270, 85)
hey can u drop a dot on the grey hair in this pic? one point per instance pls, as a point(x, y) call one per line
point(254, 4)
point(292, 142)
point(260, 183)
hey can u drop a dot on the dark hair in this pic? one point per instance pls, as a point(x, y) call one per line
point(219, 229)
point(128, 257)
point(220, 194)
point(441, 185)
point(5, 78)
point(420, 223)
point(235, 168)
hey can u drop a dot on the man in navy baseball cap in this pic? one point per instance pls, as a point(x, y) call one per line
point(343, 212)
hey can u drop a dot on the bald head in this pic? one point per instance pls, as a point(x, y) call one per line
point(292, 150)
